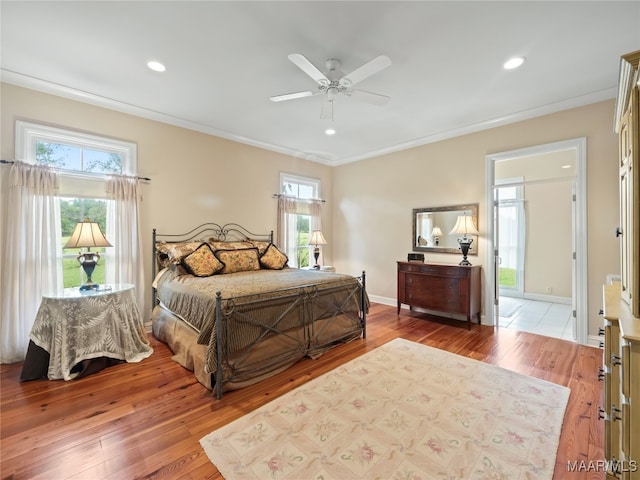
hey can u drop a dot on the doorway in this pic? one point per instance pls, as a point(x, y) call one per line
point(536, 234)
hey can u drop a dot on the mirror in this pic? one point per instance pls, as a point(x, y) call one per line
point(431, 227)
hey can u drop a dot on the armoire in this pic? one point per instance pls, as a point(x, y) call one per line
point(621, 330)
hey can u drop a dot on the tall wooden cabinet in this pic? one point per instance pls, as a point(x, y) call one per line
point(621, 358)
point(627, 123)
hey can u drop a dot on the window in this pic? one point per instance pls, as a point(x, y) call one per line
point(299, 215)
point(511, 236)
point(83, 161)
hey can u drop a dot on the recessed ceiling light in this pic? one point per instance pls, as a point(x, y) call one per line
point(514, 62)
point(330, 131)
point(566, 166)
point(156, 66)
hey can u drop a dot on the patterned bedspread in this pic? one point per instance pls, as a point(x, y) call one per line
point(193, 298)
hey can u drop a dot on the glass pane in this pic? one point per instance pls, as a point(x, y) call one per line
point(508, 245)
point(58, 155)
point(306, 191)
point(102, 162)
point(72, 211)
point(69, 157)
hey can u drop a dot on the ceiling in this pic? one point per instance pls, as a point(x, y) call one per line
point(225, 59)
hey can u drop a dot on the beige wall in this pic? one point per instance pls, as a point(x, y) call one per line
point(194, 177)
point(373, 198)
point(367, 218)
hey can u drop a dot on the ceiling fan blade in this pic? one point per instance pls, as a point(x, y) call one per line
point(307, 67)
point(373, 66)
point(369, 97)
point(293, 96)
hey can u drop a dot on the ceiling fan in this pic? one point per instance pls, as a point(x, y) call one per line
point(335, 83)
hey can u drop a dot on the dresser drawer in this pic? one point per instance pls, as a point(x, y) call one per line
point(440, 270)
point(435, 300)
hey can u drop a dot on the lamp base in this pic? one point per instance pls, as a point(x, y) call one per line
point(88, 260)
point(465, 243)
point(316, 254)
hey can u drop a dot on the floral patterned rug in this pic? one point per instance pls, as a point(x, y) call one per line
point(403, 411)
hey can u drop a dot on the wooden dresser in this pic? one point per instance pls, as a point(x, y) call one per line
point(621, 371)
point(440, 288)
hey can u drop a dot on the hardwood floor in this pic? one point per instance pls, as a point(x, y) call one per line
point(145, 420)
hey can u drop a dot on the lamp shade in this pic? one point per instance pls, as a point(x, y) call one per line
point(436, 232)
point(317, 238)
point(464, 226)
point(87, 234)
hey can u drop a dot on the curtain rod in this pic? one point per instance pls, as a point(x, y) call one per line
point(139, 178)
point(278, 195)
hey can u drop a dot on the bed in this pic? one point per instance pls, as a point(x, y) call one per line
point(232, 311)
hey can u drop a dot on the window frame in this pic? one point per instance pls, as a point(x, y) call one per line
point(75, 183)
point(28, 134)
point(315, 185)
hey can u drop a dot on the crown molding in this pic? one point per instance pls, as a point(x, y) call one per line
point(40, 85)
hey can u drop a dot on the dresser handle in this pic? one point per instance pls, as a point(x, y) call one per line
point(602, 415)
point(616, 360)
point(614, 412)
point(601, 331)
point(601, 344)
point(601, 374)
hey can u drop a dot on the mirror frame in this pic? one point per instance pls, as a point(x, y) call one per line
point(472, 208)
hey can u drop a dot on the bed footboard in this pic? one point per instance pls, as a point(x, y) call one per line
point(267, 337)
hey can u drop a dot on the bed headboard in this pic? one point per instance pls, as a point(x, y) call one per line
point(229, 232)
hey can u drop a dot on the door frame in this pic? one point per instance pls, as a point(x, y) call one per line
point(580, 261)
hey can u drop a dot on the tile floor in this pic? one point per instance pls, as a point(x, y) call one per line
point(543, 318)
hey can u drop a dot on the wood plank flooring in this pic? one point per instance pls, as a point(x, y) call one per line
point(145, 420)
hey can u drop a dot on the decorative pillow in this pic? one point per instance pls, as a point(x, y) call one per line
point(260, 245)
point(273, 258)
point(175, 252)
point(202, 262)
point(217, 245)
point(243, 260)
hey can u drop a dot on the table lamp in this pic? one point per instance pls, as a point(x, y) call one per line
point(464, 226)
point(88, 234)
point(436, 233)
point(317, 239)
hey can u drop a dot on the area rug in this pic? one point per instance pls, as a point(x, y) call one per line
point(400, 411)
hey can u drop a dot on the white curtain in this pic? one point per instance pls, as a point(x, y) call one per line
point(123, 232)
point(32, 254)
point(288, 210)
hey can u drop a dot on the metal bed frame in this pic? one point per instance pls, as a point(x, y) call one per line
point(303, 302)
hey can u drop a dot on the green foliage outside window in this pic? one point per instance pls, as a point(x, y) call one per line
point(72, 211)
point(507, 277)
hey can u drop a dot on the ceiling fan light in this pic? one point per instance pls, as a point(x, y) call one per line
point(514, 62)
point(156, 66)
